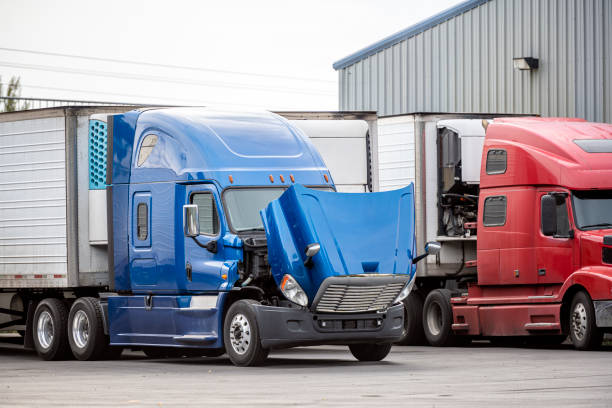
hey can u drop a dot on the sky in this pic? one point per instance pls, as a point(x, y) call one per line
point(268, 54)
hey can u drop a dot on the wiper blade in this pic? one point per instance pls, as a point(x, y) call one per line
point(251, 230)
point(603, 224)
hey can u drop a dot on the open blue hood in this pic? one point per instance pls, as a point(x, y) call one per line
point(364, 233)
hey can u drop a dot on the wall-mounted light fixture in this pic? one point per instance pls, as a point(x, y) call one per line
point(525, 63)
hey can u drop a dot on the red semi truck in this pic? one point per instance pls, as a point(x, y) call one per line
point(544, 239)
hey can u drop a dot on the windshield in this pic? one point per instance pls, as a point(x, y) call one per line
point(243, 205)
point(593, 209)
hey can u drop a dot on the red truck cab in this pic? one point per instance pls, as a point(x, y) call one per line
point(544, 248)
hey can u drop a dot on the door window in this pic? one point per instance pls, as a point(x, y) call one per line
point(563, 226)
point(207, 212)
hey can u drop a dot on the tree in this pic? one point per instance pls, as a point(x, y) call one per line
point(13, 90)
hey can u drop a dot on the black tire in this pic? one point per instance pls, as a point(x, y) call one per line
point(86, 330)
point(370, 352)
point(438, 318)
point(50, 330)
point(241, 352)
point(413, 320)
point(584, 333)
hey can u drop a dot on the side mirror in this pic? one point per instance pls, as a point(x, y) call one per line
point(191, 220)
point(433, 248)
point(549, 215)
point(311, 250)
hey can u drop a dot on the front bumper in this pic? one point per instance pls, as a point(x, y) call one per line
point(603, 313)
point(282, 327)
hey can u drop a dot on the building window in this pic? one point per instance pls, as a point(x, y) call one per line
point(494, 214)
point(142, 222)
point(146, 148)
point(207, 213)
point(497, 160)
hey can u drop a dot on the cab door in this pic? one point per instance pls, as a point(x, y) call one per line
point(555, 252)
point(204, 254)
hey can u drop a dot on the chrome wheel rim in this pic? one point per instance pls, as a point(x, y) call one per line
point(45, 330)
point(80, 329)
point(579, 321)
point(240, 334)
point(434, 319)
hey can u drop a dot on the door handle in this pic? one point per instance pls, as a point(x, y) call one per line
point(188, 270)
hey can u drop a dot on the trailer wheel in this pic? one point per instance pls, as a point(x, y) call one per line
point(50, 330)
point(413, 320)
point(241, 335)
point(86, 329)
point(370, 352)
point(438, 318)
point(584, 333)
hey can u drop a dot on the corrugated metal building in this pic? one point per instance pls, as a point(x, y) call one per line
point(461, 60)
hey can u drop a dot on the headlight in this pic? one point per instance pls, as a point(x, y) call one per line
point(406, 291)
point(293, 291)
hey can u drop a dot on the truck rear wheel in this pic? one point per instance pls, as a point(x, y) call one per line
point(50, 330)
point(413, 320)
point(241, 335)
point(370, 352)
point(438, 318)
point(584, 333)
point(86, 329)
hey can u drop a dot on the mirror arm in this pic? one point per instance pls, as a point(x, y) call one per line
point(210, 245)
point(418, 258)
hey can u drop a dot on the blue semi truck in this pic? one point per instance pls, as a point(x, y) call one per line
point(191, 231)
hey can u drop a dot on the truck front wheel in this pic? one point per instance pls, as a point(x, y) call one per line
point(86, 329)
point(584, 332)
point(241, 335)
point(438, 318)
point(370, 352)
point(413, 320)
point(50, 330)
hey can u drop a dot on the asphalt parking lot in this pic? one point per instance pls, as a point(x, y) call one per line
point(475, 376)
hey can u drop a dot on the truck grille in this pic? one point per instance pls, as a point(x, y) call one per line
point(351, 298)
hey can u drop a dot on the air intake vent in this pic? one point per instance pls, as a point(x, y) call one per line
point(358, 294)
point(97, 154)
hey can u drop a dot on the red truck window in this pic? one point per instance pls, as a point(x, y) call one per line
point(494, 214)
point(497, 160)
